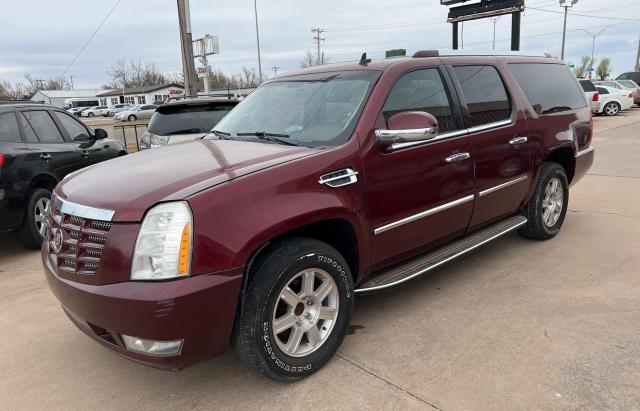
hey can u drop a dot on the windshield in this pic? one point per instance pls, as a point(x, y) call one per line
point(312, 110)
point(187, 119)
point(627, 83)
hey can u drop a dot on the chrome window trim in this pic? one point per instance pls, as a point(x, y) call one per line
point(82, 211)
point(456, 133)
point(503, 185)
point(585, 151)
point(422, 214)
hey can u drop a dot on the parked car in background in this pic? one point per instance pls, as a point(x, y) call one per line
point(139, 112)
point(630, 75)
point(326, 182)
point(39, 146)
point(113, 110)
point(184, 120)
point(96, 111)
point(612, 100)
point(633, 86)
point(75, 110)
point(590, 93)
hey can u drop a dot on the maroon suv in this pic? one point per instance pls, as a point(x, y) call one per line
point(322, 184)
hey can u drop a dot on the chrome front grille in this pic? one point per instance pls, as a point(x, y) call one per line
point(75, 243)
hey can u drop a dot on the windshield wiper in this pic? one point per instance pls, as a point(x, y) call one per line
point(220, 134)
point(272, 137)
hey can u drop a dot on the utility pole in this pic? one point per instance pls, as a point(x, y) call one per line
point(566, 4)
point(71, 78)
point(494, 20)
point(637, 68)
point(188, 66)
point(275, 70)
point(255, 8)
point(593, 46)
point(318, 31)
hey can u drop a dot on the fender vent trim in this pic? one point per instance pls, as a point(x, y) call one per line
point(339, 178)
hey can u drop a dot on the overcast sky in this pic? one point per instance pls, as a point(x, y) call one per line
point(41, 37)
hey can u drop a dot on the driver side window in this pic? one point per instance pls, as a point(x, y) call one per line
point(421, 90)
point(76, 131)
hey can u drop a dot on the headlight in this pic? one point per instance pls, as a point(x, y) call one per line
point(163, 247)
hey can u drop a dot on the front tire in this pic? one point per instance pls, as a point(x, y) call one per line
point(548, 205)
point(296, 310)
point(611, 109)
point(132, 118)
point(31, 232)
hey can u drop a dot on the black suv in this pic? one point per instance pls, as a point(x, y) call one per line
point(39, 146)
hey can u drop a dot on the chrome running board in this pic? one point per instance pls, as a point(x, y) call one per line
point(427, 262)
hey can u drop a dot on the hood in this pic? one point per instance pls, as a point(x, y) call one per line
point(131, 184)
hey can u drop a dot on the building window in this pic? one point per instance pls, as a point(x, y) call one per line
point(165, 97)
point(114, 101)
point(141, 99)
point(158, 98)
point(129, 100)
point(103, 101)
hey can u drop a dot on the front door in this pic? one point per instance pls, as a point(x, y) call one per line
point(419, 194)
point(499, 137)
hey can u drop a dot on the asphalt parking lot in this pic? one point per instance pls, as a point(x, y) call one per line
point(515, 325)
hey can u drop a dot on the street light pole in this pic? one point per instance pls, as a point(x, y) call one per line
point(566, 4)
point(255, 8)
point(494, 20)
point(593, 46)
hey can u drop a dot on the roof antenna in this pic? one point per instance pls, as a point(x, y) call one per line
point(364, 60)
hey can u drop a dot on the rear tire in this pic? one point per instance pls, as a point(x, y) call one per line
point(90, 114)
point(548, 205)
point(132, 118)
point(296, 310)
point(31, 232)
point(611, 109)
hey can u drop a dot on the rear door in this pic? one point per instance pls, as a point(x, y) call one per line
point(47, 144)
point(499, 137)
point(15, 171)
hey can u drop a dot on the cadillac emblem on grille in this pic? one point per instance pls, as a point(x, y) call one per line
point(57, 238)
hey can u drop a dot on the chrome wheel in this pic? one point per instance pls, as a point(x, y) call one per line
point(553, 202)
point(305, 313)
point(40, 214)
point(611, 109)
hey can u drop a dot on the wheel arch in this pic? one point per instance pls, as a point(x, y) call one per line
point(565, 156)
point(46, 181)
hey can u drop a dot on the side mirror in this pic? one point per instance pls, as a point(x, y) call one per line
point(408, 127)
point(99, 134)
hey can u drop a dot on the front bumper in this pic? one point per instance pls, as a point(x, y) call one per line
point(199, 310)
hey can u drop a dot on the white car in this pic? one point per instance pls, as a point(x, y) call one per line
point(96, 111)
point(138, 112)
point(590, 93)
point(612, 101)
point(113, 110)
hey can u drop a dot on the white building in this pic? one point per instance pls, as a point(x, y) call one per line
point(140, 95)
point(57, 97)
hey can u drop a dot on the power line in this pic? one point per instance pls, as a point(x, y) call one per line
point(583, 15)
point(90, 38)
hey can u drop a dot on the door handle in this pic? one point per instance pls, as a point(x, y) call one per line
point(457, 157)
point(85, 154)
point(45, 157)
point(518, 140)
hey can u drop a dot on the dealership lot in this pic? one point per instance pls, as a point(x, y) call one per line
point(520, 324)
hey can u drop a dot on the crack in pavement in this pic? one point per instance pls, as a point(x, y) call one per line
point(617, 127)
point(397, 387)
point(605, 213)
point(613, 176)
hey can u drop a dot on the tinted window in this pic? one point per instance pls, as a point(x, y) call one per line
point(76, 131)
point(148, 107)
point(9, 130)
point(42, 124)
point(610, 84)
point(421, 90)
point(602, 90)
point(628, 83)
point(550, 88)
point(186, 119)
point(587, 86)
point(484, 92)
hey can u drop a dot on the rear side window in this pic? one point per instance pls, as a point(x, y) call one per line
point(40, 124)
point(550, 88)
point(76, 131)
point(169, 120)
point(485, 94)
point(602, 90)
point(587, 86)
point(421, 90)
point(9, 131)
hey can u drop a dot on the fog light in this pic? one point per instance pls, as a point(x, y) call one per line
point(152, 347)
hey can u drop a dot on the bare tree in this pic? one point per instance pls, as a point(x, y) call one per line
point(135, 73)
point(604, 68)
point(33, 85)
point(312, 59)
point(247, 78)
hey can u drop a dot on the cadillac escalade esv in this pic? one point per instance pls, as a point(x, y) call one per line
point(322, 184)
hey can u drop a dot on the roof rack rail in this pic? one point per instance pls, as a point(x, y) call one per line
point(495, 53)
point(426, 53)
